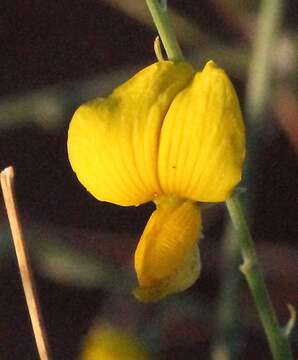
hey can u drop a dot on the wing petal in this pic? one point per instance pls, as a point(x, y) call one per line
point(113, 142)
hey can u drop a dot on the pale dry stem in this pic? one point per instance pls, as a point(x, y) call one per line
point(7, 185)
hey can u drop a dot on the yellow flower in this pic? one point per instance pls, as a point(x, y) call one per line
point(167, 135)
point(109, 343)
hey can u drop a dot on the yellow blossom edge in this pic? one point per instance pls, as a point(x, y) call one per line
point(167, 257)
point(113, 142)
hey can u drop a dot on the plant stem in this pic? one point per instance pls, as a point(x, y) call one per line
point(261, 64)
point(257, 95)
point(226, 344)
point(158, 10)
point(7, 185)
point(279, 343)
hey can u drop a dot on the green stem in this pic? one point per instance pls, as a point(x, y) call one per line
point(279, 343)
point(227, 338)
point(257, 95)
point(261, 64)
point(158, 10)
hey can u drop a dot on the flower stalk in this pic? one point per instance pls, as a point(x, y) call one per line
point(158, 10)
point(279, 343)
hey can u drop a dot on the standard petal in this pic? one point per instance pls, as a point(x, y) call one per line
point(202, 143)
point(113, 142)
point(162, 253)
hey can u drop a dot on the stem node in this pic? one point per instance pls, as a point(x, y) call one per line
point(246, 267)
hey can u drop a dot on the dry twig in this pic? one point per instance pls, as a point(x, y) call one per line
point(7, 185)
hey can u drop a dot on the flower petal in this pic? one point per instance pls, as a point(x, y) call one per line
point(184, 277)
point(113, 142)
point(202, 143)
point(161, 255)
point(107, 342)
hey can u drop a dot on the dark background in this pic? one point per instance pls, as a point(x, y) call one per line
point(62, 44)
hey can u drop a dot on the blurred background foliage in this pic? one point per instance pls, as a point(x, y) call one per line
point(56, 54)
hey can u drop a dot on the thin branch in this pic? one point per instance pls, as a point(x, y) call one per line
point(7, 185)
point(278, 342)
point(165, 29)
point(258, 90)
point(227, 339)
